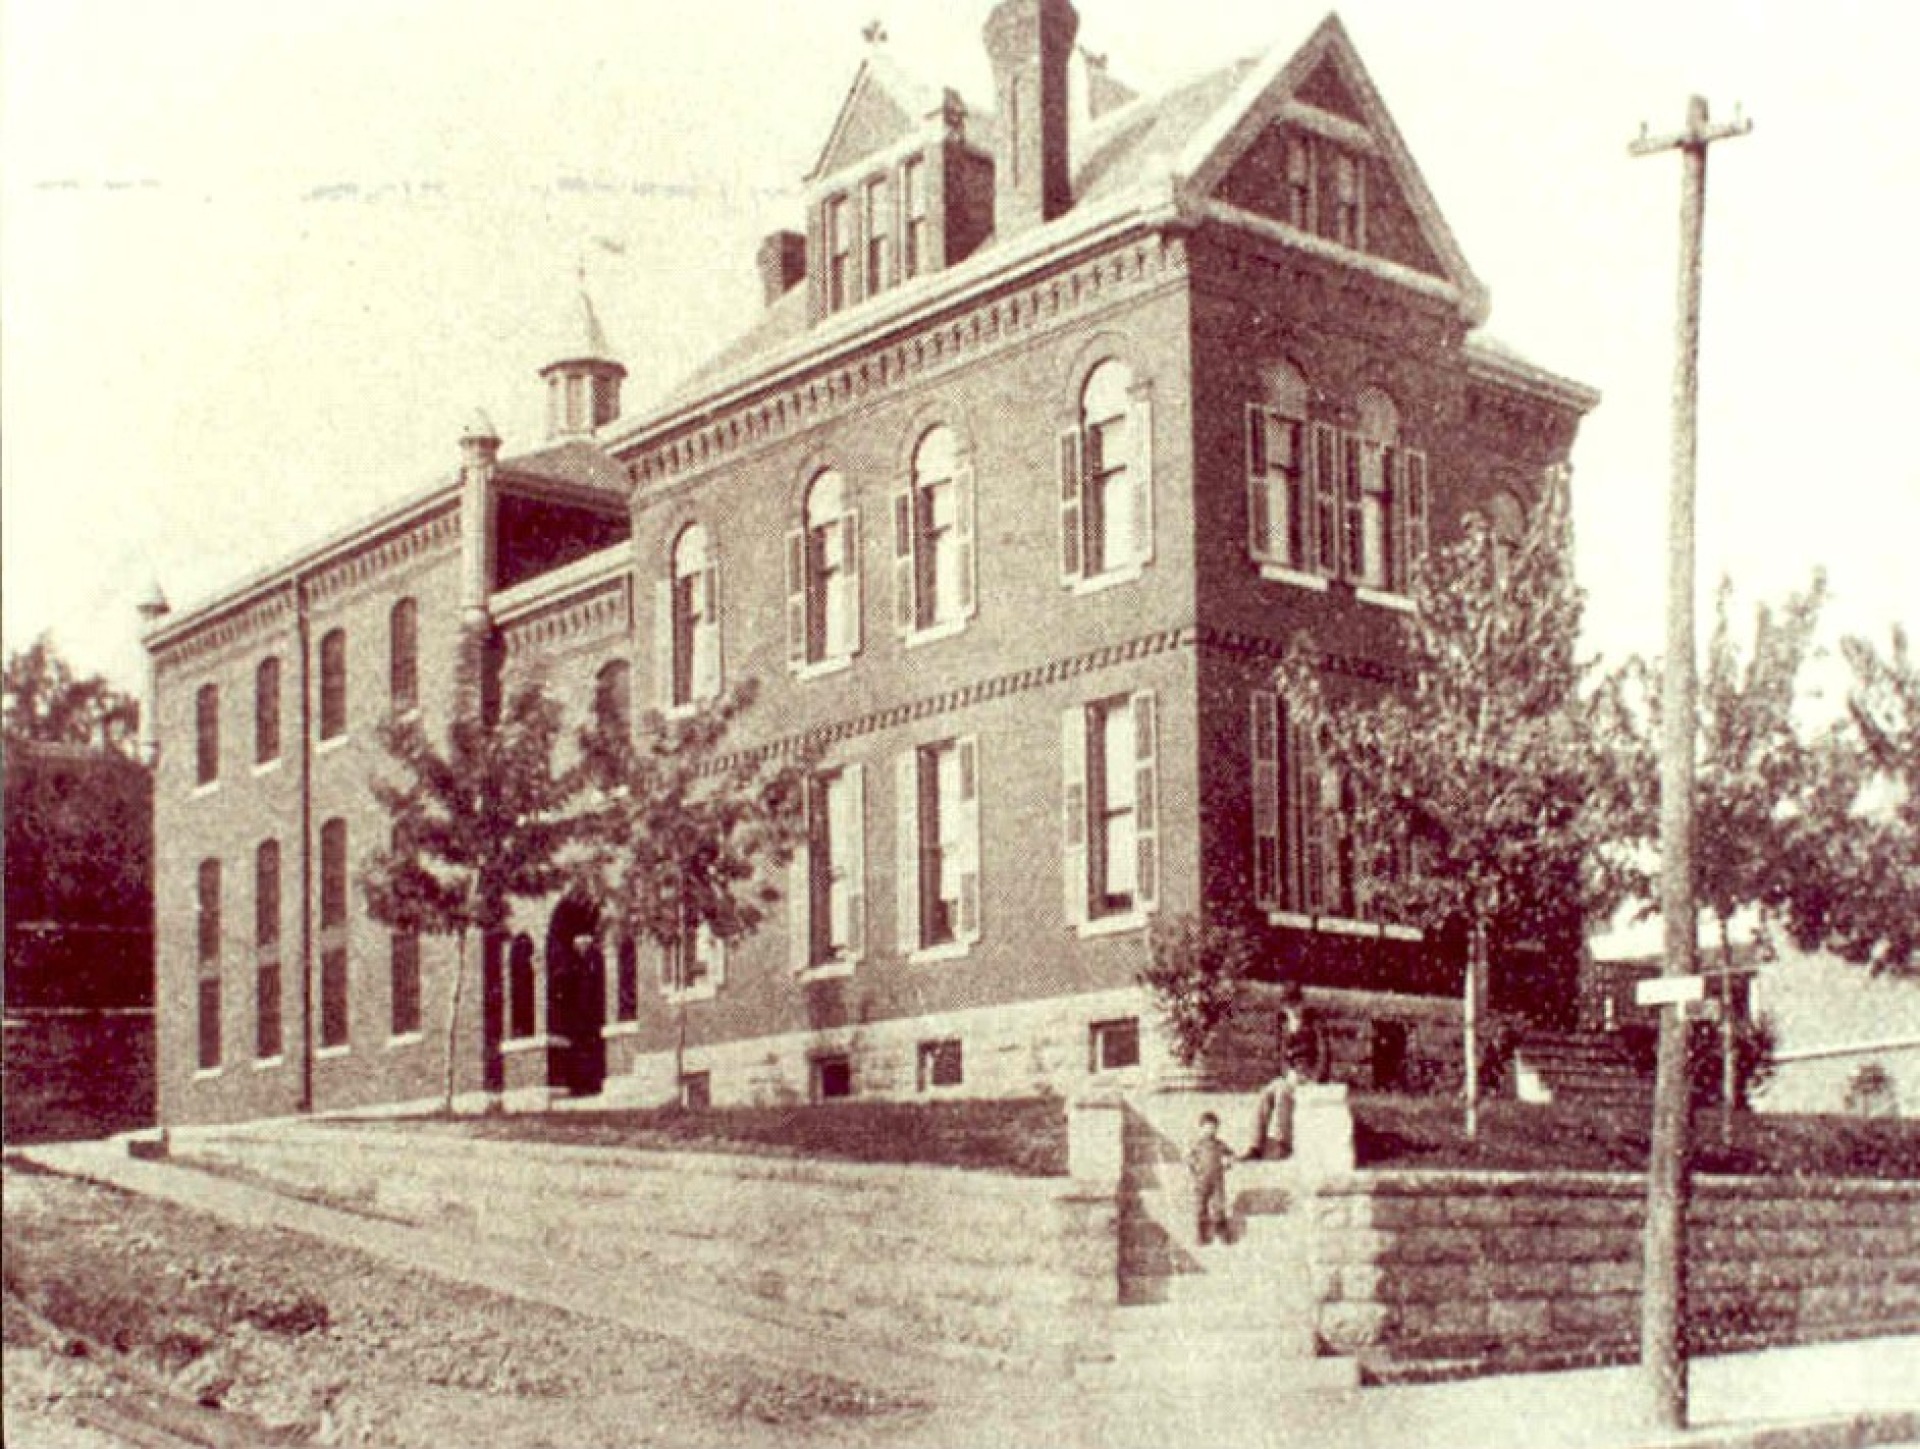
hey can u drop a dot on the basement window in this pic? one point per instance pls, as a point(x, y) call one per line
point(1113, 1045)
point(832, 1077)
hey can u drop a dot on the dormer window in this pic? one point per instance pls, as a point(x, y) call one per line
point(877, 216)
point(839, 254)
point(913, 185)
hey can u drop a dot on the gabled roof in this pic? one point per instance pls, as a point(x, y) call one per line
point(883, 105)
point(1152, 156)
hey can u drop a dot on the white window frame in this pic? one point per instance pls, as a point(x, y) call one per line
point(1086, 475)
point(937, 796)
point(931, 562)
point(1082, 734)
point(825, 597)
point(837, 885)
point(688, 624)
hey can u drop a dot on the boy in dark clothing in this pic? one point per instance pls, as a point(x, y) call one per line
point(1303, 1059)
point(1208, 1160)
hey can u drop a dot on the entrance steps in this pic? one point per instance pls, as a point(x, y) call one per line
point(1580, 1068)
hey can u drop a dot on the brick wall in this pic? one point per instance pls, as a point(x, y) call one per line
point(1545, 1269)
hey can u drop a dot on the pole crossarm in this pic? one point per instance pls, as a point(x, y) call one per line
point(1698, 135)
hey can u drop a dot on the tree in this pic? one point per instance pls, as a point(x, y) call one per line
point(1194, 973)
point(678, 839)
point(1487, 795)
point(47, 702)
point(475, 826)
point(1856, 885)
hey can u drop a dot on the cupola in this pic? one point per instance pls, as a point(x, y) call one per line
point(583, 384)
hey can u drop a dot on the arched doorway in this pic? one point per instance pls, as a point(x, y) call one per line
point(576, 998)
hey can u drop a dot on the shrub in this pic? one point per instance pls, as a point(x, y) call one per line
point(1872, 1092)
point(1194, 974)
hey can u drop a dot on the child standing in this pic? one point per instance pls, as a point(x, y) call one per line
point(1208, 1160)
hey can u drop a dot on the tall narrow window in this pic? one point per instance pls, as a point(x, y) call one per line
point(1299, 183)
point(1308, 858)
point(1106, 479)
point(207, 922)
point(827, 886)
point(933, 543)
point(1371, 509)
point(206, 734)
point(693, 614)
point(403, 656)
point(613, 698)
point(626, 980)
point(333, 684)
point(521, 1012)
point(939, 880)
point(1344, 216)
point(1278, 501)
point(1112, 804)
point(913, 183)
point(823, 576)
point(694, 964)
point(839, 254)
point(404, 983)
point(266, 949)
point(877, 204)
point(266, 710)
point(334, 1017)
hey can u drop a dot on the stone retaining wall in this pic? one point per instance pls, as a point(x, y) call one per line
point(1010, 1270)
point(1545, 1268)
point(76, 1073)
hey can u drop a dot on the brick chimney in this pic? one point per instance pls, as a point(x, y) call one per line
point(1029, 43)
point(783, 264)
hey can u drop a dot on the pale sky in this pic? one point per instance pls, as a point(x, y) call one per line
point(262, 261)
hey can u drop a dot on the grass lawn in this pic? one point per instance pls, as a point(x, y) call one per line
point(1024, 1136)
point(1426, 1132)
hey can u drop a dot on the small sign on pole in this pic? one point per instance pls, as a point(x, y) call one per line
point(1669, 990)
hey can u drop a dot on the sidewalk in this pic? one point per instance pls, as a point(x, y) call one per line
point(1821, 1397)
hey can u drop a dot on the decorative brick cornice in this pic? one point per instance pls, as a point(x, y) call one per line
point(1260, 646)
point(869, 368)
point(262, 615)
point(601, 610)
point(362, 567)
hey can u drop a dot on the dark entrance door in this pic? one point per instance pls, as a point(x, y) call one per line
point(576, 999)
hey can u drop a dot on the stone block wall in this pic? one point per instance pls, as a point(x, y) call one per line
point(77, 1073)
point(1012, 1271)
point(1544, 1269)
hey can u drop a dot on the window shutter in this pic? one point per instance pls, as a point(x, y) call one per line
point(1146, 804)
point(1266, 798)
point(1324, 532)
point(906, 849)
point(663, 643)
point(1296, 508)
point(1259, 515)
point(1353, 559)
point(854, 622)
point(716, 669)
point(800, 885)
point(1414, 529)
point(965, 551)
point(1073, 813)
point(796, 597)
point(1297, 811)
point(1141, 473)
point(856, 860)
point(1072, 481)
point(906, 608)
point(969, 834)
point(1310, 819)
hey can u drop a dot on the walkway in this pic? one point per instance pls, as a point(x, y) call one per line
point(1803, 1398)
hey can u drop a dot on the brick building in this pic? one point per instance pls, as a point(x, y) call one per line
point(1061, 419)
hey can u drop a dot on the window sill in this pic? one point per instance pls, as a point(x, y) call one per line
point(266, 767)
point(401, 716)
point(705, 991)
point(1112, 578)
point(820, 668)
point(206, 1074)
point(1299, 578)
point(1115, 925)
point(328, 1053)
point(331, 743)
point(1344, 926)
point(405, 1039)
point(204, 789)
point(267, 1064)
point(1400, 603)
point(618, 1029)
point(516, 1046)
point(826, 970)
point(945, 951)
point(934, 633)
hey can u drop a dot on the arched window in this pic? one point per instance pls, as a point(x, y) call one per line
point(1106, 479)
point(206, 734)
point(266, 710)
point(823, 576)
point(403, 656)
point(694, 618)
point(333, 684)
point(613, 697)
point(933, 538)
point(1279, 529)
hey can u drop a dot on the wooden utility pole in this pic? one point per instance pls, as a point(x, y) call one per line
point(1663, 1293)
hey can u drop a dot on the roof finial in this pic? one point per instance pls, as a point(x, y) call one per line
point(874, 32)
